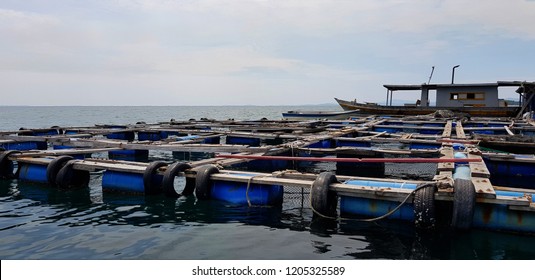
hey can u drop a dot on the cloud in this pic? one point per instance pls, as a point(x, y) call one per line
point(321, 18)
point(269, 48)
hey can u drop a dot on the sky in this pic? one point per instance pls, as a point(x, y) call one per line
point(254, 52)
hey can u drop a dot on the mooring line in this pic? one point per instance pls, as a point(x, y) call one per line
point(425, 185)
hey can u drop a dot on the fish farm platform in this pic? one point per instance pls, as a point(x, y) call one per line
point(432, 172)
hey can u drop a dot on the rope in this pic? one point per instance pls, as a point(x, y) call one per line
point(425, 185)
point(247, 192)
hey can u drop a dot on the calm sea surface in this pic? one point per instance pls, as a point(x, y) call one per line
point(39, 222)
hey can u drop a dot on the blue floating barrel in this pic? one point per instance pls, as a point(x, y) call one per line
point(428, 129)
point(172, 133)
point(264, 165)
point(234, 140)
point(327, 143)
point(122, 135)
point(212, 140)
point(47, 132)
point(151, 135)
point(72, 132)
point(25, 146)
point(462, 172)
point(122, 182)
point(32, 173)
point(78, 156)
point(128, 182)
point(459, 155)
point(375, 207)
point(192, 156)
point(501, 217)
point(421, 146)
point(132, 155)
point(39, 132)
point(487, 132)
point(511, 173)
point(259, 194)
point(458, 147)
point(346, 143)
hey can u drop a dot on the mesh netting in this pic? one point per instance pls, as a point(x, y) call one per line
point(296, 197)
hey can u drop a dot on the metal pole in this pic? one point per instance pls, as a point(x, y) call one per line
point(453, 73)
point(430, 76)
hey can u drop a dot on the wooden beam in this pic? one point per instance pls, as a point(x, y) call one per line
point(447, 130)
point(483, 188)
point(459, 131)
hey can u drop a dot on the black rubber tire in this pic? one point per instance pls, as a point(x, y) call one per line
point(322, 199)
point(203, 182)
point(68, 177)
point(53, 168)
point(169, 177)
point(424, 207)
point(150, 187)
point(464, 200)
point(6, 165)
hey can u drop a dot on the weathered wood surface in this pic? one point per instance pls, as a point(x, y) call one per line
point(296, 136)
point(459, 131)
point(478, 169)
point(446, 153)
point(447, 130)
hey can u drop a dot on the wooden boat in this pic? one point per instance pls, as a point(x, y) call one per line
point(475, 99)
point(511, 170)
point(330, 115)
point(520, 144)
point(375, 109)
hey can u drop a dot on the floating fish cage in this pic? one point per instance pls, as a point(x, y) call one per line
point(431, 173)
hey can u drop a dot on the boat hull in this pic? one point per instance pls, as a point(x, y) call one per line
point(418, 110)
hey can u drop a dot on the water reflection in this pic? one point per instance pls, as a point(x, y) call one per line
point(40, 222)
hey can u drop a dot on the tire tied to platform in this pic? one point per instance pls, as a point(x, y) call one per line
point(422, 186)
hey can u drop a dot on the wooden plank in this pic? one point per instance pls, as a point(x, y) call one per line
point(478, 169)
point(505, 200)
point(121, 167)
point(509, 189)
point(530, 208)
point(32, 160)
point(459, 131)
point(390, 194)
point(93, 164)
point(447, 152)
point(43, 153)
point(261, 179)
point(447, 130)
point(483, 188)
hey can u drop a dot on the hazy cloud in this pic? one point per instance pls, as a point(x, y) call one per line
point(246, 51)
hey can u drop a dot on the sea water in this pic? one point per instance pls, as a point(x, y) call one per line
point(40, 222)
